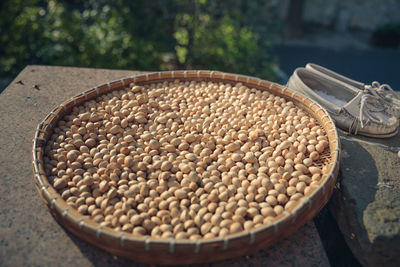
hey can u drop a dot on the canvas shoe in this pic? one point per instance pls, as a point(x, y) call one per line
point(383, 92)
point(356, 112)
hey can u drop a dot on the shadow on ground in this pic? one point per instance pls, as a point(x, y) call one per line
point(356, 164)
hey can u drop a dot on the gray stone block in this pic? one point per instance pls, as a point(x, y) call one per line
point(29, 235)
point(366, 202)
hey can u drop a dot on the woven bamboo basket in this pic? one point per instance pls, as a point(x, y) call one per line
point(171, 251)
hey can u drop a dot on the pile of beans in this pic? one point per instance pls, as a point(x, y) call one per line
point(185, 160)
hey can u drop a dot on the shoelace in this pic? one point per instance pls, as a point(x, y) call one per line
point(379, 90)
point(373, 107)
point(366, 111)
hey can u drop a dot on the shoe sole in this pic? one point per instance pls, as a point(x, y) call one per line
point(378, 135)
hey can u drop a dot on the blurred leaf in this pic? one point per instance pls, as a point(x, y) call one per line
point(230, 35)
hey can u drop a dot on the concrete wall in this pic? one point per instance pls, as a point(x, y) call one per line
point(352, 14)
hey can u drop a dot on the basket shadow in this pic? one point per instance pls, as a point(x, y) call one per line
point(356, 188)
point(100, 257)
point(303, 246)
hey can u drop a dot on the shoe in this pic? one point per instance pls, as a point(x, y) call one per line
point(355, 111)
point(384, 92)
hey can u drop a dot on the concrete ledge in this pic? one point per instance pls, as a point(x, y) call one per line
point(366, 202)
point(28, 233)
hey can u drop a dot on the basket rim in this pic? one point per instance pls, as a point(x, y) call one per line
point(57, 204)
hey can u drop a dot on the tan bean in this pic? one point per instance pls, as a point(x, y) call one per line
point(185, 160)
point(314, 170)
point(232, 147)
point(271, 200)
point(60, 183)
point(180, 194)
point(139, 231)
point(205, 228)
point(249, 157)
point(166, 166)
point(190, 138)
point(301, 167)
point(72, 155)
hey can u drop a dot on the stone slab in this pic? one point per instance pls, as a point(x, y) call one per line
point(366, 202)
point(28, 233)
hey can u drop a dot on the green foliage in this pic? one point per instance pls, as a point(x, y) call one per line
point(55, 33)
point(207, 37)
point(145, 35)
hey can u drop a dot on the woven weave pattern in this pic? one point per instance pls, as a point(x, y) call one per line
point(173, 251)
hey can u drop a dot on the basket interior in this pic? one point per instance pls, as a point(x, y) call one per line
point(329, 157)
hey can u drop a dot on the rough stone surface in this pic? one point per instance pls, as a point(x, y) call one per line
point(366, 203)
point(342, 14)
point(28, 233)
